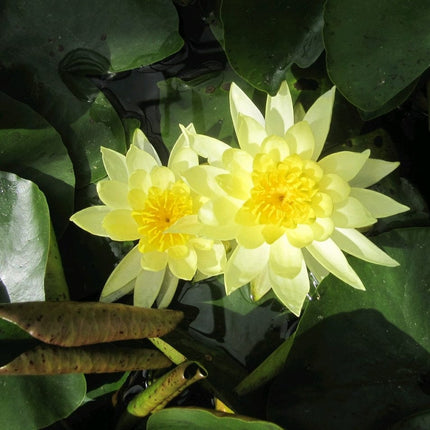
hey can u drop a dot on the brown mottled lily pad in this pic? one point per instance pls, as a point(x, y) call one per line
point(85, 323)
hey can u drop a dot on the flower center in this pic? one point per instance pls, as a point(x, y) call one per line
point(162, 209)
point(284, 193)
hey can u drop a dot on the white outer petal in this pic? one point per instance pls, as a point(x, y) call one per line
point(167, 290)
point(115, 165)
point(279, 114)
point(141, 141)
point(328, 254)
point(147, 287)
point(372, 172)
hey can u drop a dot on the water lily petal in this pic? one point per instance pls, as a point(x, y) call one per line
point(244, 265)
point(162, 177)
point(219, 211)
point(147, 287)
point(120, 225)
point(240, 103)
point(187, 225)
point(303, 140)
point(207, 147)
point(291, 291)
point(318, 271)
point(234, 159)
point(372, 172)
point(182, 266)
point(137, 159)
point(378, 204)
point(250, 236)
point(167, 290)
point(352, 214)
point(277, 147)
point(300, 236)
point(202, 179)
point(336, 187)
point(285, 259)
point(121, 280)
point(250, 133)
point(272, 233)
point(212, 261)
point(141, 141)
point(319, 118)
point(358, 245)
point(137, 199)
point(140, 179)
point(261, 285)
point(346, 164)
point(328, 254)
point(115, 165)
point(114, 194)
point(182, 160)
point(279, 114)
point(153, 261)
point(237, 184)
point(322, 228)
point(91, 219)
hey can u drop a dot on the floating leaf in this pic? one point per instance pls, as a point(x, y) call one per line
point(202, 419)
point(85, 323)
point(373, 51)
point(360, 359)
point(263, 39)
point(53, 360)
point(34, 402)
point(24, 238)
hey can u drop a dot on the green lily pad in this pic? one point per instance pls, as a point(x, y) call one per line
point(33, 149)
point(40, 400)
point(361, 359)
point(49, 49)
point(376, 49)
point(24, 235)
point(202, 419)
point(263, 39)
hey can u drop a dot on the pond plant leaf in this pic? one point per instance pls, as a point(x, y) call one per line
point(24, 238)
point(373, 51)
point(280, 34)
point(361, 359)
point(34, 402)
point(203, 419)
point(53, 360)
point(85, 323)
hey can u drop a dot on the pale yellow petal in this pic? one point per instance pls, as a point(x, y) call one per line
point(137, 199)
point(234, 159)
point(352, 214)
point(250, 134)
point(91, 219)
point(319, 118)
point(285, 259)
point(141, 180)
point(206, 146)
point(336, 187)
point(187, 225)
point(141, 141)
point(250, 236)
point(279, 114)
point(147, 287)
point(120, 225)
point(291, 292)
point(358, 245)
point(240, 103)
point(167, 290)
point(318, 271)
point(328, 254)
point(212, 261)
point(372, 172)
point(303, 141)
point(202, 179)
point(219, 211)
point(237, 184)
point(183, 267)
point(115, 165)
point(300, 236)
point(244, 265)
point(153, 261)
point(277, 147)
point(137, 159)
point(346, 164)
point(322, 228)
point(162, 177)
point(113, 194)
point(124, 275)
point(379, 205)
point(272, 233)
point(182, 160)
point(261, 285)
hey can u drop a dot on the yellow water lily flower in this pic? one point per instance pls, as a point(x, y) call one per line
point(142, 200)
point(288, 210)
